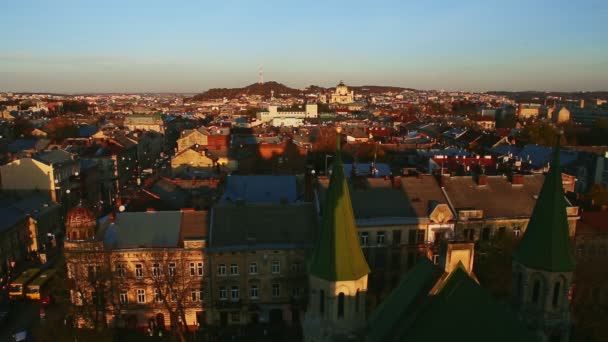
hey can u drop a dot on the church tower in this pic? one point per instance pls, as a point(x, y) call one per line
point(543, 263)
point(338, 269)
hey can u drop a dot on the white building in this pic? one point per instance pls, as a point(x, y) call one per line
point(311, 111)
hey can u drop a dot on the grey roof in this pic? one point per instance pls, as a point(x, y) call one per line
point(260, 189)
point(278, 226)
point(499, 198)
point(35, 205)
point(144, 229)
point(9, 217)
point(375, 200)
point(53, 156)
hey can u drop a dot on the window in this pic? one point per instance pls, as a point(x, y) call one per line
point(420, 236)
point(155, 270)
point(416, 236)
point(197, 295)
point(556, 290)
point(223, 293)
point(123, 298)
point(276, 290)
point(295, 292)
point(91, 272)
point(436, 259)
point(321, 301)
point(469, 234)
point(253, 268)
point(235, 317)
point(517, 231)
point(295, 267)
point(120, 270)
point(192, 269)
point(341, 305)
point(276, 267)
point(234, 269)
point(234, 293)
point(253, 292)
point(199, 269)
point(171, 268)
point(536, 292)
point(485, 234)
point(396, 237)
point(139, 270)
point(141, 296)
point(174, 296)
point(364, 236)
point(221, 269)
point(157, 296)
point(380, 238)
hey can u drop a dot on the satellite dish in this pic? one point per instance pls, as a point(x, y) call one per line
point(121, 208)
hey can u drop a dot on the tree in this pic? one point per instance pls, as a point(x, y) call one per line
point(60, 128)
point(177, 286)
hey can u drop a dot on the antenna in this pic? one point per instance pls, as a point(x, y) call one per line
point(260, 75)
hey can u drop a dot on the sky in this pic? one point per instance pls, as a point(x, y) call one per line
point(190, 46)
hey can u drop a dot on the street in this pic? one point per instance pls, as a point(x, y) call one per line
point(23, 315)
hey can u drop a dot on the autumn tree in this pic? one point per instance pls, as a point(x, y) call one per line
point(60, 128)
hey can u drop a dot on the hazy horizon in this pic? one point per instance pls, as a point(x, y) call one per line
point(188, 47)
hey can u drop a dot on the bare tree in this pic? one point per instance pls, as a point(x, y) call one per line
point(177, 287)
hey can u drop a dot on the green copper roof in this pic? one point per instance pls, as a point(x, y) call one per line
point(460, 311)
point(337, 255)
point(546, 243)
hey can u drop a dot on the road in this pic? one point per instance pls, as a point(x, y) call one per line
point(23, 315)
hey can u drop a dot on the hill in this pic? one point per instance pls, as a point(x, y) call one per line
point(263, 89)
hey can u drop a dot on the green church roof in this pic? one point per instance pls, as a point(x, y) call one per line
point(337, 254)
point(546, 243)
point(461, 310)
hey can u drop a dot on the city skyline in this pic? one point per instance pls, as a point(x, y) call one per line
point(67, 47)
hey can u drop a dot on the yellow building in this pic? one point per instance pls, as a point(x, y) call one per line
point(191, 161)
point(341, 95)
point(144, 269)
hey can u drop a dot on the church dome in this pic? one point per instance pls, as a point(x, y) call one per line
point(80, 223)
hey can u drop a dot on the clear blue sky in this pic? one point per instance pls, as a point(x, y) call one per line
point(189, 46)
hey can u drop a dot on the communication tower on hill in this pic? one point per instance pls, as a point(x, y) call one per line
point(260, 76)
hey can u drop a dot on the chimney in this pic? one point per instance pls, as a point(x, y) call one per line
point(482, 180)
point(452, 253)
point(517, 179)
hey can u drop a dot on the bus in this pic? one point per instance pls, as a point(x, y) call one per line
point(17, 287)
point(38, 286)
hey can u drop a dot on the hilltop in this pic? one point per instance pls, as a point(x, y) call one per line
point(281, 89)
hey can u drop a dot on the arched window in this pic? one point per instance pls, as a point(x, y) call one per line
point(357, 301)
point(321, 301)
point(536, 291)
point(556, 290)
point(341, 305)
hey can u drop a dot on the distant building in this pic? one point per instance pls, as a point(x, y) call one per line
point(341, 95)
point(145, 122)
point(310, 111)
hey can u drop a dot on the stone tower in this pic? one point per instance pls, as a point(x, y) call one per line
point(338, 269)
point(543, 263)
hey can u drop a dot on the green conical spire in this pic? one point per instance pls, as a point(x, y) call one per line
point(546, 243)
point(337, 255)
